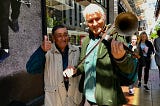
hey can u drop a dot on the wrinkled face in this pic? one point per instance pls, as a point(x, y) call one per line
point(95, 22)
point(61, 38)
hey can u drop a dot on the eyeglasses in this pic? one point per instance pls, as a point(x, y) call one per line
point(59, 36)
point(93, 20)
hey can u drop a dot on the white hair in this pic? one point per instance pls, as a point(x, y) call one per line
point(92, 8)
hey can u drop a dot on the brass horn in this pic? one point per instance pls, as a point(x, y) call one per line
point(126, 23)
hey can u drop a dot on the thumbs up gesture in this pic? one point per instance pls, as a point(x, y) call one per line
point(46, 44)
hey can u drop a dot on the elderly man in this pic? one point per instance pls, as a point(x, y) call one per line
point(101, 86)
point(52, 59)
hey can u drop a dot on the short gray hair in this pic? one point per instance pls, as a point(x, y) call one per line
point(92, 8)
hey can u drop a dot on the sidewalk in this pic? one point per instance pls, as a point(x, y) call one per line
point(144, 98)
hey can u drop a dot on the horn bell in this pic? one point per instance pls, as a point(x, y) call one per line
point(126, 23)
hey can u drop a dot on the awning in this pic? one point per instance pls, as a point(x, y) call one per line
point(60, 4)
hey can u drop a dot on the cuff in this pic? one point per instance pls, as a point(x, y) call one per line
point(122, 59)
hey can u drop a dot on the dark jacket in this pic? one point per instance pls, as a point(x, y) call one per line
point(36, 63)
point(150, 49)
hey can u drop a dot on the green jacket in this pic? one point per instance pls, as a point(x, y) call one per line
point(108, 89)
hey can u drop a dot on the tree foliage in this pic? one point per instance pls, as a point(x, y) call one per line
point(154, 33)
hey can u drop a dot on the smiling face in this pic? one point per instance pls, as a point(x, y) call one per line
point(61, 38)
point(95, 21)
point(134, 40)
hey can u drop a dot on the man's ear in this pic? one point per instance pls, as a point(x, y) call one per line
point(86, 23)
point(104, 16)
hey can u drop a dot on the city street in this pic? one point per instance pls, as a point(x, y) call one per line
point(142, 97)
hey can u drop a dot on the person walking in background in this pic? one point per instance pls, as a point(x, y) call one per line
point(5, 22)
point(52, 59)
point(145, 51)
point(4, 17)
point(15, 8)
point(101, 86)
point(157, 50)
point(15, 12)
point(133, 47)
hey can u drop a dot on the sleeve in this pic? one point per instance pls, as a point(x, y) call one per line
point(152, 48)
point(36, 62)
point(154, 44)
point(127, 71)
point(80, 66)
point(127, 64)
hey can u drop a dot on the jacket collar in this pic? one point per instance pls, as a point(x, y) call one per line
point(102, 50)
point(91, 35)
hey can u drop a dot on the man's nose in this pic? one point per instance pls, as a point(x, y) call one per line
point(63, 37)
point(95, 22)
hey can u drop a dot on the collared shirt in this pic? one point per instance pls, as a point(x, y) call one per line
point(65, 64)
point(90, 71)
point(64, 56)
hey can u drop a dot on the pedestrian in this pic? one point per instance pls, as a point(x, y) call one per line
point(133, 47)
point(101, 86)
point(157, 50)
point(52, 59)
point(145, 51)
point(5, 22)
point(13, 22)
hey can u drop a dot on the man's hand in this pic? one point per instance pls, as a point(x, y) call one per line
point(46, 44)
point(117, 49)
point(69, 71)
